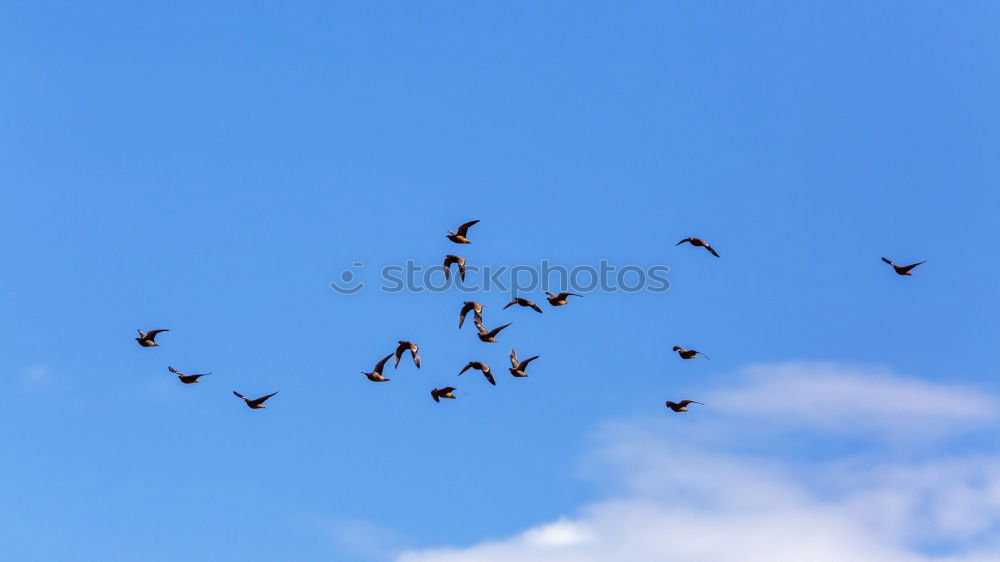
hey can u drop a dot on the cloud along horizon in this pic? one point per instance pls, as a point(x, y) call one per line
point(684, 491)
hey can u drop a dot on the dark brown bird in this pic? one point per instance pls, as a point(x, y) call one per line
point(523, 302)
point(466, 307)
point(376, 374)
point(450, 259)
point(489, 337)
point(517, 368)
point(902, 269)
point(148, 339)
point(688, 353)
point(698, 242)
point(256, 404)
point(560, 299)
point(445, 392)
point(460, 236)
point(480, 367)
point(402, 347)
point(186, 378)
point(681, 406)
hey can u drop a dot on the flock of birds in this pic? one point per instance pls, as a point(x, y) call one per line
point(517, 368)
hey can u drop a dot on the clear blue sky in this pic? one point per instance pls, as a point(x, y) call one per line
point(211, 168)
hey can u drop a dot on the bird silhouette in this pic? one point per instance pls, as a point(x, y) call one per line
point(148, 339)
point(460, 236)
point(517, 367)
point(445, 392)
point(376, 374)
point(466, 307)
point(903, 269)
point(560, 299)
point(523, 302)
point(186, 378)
point(681, 406)
point(479, 366)
point(688, 353)
point(412, 347)
point(256, 403)
point(698, 242)
point(450, 259)
point(490, 336)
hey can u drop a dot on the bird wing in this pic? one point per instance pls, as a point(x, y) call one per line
point(513, 358)
point(461, 269)
point(889, 262)
point(510, 304)
point(535, 307)
point(464, 229)
point(496, 331)
point(524, 363)
point(173, 370)
point(686, 402)
point(447, 389)
point(398, 353)
point(481, 328)
point(150, 335)
point(461, 315)
point(416, 358)
point(434, 395)
point(263, 399)
point(710, 249)
point(240, 395)
point(683, 241)
point(911, 266)
point(703, 355)
point(489, 377)
point(381, 363)
point(465, 368)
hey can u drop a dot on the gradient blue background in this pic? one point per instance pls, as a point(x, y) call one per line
point(211, 168)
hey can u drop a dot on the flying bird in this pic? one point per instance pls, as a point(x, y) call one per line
point(681, 406)
point(466, 307)
point(450, 259)
point(445, 392)
point(460, 236)
point(402, 347)
point(256, 403)
point(490, 336)
point(148, 339)
point(186, 378)
point(523, 302)
point(517, 367)
point(688, 353)
point(698, 242)
point(479, 366)
point(560, 299)
point(376, 374)
point(903, 269)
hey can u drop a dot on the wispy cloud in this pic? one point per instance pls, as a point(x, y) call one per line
point(853, 399)
point(359, 538)
point(681, 499)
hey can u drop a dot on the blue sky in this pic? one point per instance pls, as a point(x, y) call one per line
point(212, 168)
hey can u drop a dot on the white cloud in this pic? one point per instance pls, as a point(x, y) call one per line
point(679, 498)
point(853, 399)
